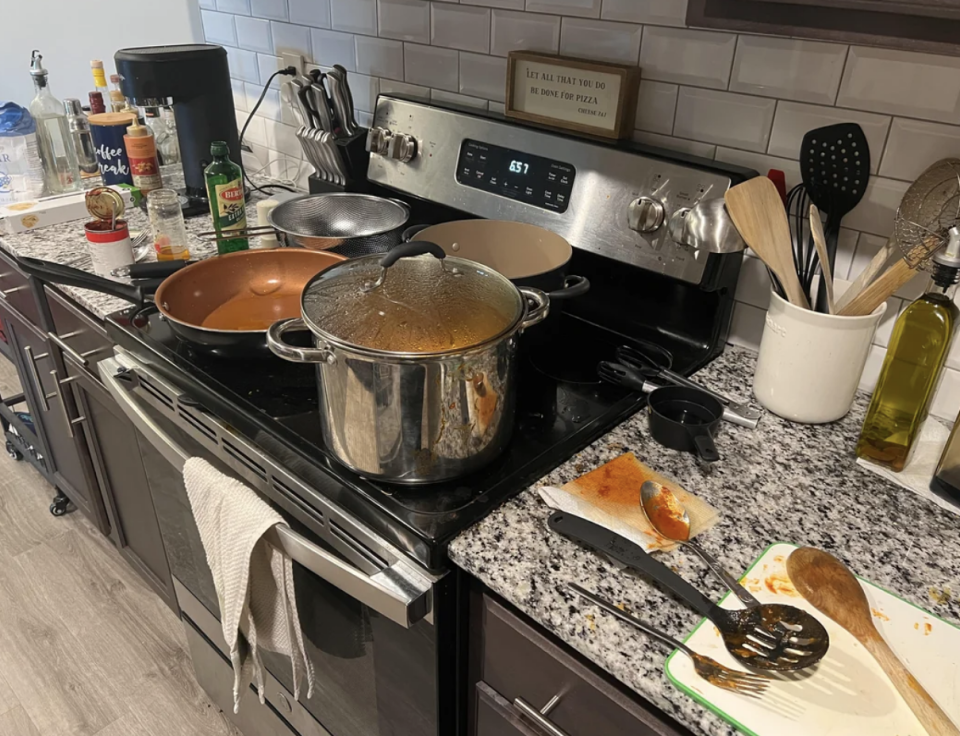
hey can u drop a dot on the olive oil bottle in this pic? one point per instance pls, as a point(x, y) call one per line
point(913, 364)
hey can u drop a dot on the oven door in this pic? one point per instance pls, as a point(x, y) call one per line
point(365, 610)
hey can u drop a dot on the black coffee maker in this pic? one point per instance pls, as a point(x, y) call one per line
point(196, 77)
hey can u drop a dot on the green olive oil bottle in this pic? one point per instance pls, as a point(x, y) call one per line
point(913, 364)
point(225, 190)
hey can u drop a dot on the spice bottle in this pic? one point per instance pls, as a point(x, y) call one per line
point(225, 189)
point(913, 365)
point(142, 153)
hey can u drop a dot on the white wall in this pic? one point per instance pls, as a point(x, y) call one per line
point(69, 34)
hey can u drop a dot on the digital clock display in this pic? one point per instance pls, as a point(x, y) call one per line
point(530, 179)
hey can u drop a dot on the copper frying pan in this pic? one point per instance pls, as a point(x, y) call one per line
point(222, 305)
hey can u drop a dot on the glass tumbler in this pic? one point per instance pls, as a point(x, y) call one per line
point(166, 219)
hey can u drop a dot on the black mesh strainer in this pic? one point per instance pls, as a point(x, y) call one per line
point(354, 224)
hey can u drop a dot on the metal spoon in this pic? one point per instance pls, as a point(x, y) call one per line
point(670, 519)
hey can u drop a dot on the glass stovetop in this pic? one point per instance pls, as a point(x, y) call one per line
point(562, 407)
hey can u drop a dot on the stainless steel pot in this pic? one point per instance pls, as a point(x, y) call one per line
point(414, 386)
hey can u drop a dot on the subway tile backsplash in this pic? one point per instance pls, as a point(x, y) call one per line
point(737, 98)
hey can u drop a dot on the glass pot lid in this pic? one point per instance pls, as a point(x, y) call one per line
point(413, 300)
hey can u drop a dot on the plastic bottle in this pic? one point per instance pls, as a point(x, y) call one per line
point(913, 365)
point(225, 189)
point(21, 172)
point(142, 152)
point(60, 169)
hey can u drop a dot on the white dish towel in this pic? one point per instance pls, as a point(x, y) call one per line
point(254, 579)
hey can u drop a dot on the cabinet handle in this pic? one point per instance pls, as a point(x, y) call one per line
point(539, 717)
point(76, 357)
point(63, 403)
point(4, 293)
point(32, 367)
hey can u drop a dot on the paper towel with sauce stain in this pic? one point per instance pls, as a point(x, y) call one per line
point(610, 496)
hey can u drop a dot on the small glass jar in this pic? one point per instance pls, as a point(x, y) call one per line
point(166, 219)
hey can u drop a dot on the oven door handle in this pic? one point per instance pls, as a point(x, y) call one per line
point(389, 591)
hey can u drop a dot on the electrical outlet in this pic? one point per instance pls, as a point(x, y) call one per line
point(294, 60)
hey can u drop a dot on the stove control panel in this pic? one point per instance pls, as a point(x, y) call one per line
point(530, 179)
point(612, 201)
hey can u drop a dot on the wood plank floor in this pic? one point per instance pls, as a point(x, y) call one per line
point(86, 649)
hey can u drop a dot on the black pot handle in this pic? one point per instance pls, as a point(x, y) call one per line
point(56, 273)
point(409, 250)
point(705, 447)
point(573, 286)
point(411, 232)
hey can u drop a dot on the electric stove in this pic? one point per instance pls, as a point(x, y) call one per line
point(645, 289)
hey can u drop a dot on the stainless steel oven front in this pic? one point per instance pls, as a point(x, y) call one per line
point(367, 611)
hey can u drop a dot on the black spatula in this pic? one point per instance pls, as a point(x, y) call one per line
point(835, 165)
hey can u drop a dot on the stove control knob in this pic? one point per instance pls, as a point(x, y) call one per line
point(645, 215)
point(402, 147)
point(378, 140)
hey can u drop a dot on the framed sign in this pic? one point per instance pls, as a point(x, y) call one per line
point(584, 96)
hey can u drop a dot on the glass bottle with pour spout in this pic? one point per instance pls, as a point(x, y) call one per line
point(61, 172)
point(913, 365)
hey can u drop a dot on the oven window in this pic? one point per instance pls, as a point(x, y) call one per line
point(373, 677)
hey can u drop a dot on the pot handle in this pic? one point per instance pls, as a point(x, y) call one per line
point(705, 447)
point(56, 273)
point(409, 250)
point(572, 286)
point(278, 346)
point(411, 232)
point(540, 306)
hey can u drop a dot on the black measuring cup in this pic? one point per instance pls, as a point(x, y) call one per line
point(685, 419)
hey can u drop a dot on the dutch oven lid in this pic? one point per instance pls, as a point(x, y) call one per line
point(412, 301)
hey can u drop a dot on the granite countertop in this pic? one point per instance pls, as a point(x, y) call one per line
point(782, 482)
point(67, 244)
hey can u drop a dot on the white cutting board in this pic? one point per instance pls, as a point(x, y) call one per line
point(846, 692)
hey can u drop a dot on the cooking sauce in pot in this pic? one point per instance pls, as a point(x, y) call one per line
point(253, 312)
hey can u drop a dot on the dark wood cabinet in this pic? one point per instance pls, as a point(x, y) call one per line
point(516, 669)
point(116, 455)
point(54, 414)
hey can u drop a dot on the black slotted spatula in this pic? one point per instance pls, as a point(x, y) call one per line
point(835, 166)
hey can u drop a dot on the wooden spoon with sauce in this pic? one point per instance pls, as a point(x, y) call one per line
point(669, 518)
point(830, 586)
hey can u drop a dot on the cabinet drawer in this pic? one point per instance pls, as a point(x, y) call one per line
point(80, 336)
point(495, 716)
point(520, 662)
point(16, 290)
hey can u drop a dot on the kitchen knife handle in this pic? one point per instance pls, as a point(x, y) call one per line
point(633, 555)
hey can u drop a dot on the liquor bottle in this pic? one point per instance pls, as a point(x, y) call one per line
point(99, 79)
point(61, 172)
point(913, 365)
point(117, 101)
point(224, 181)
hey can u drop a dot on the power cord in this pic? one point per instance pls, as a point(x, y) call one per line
point(289, 71)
